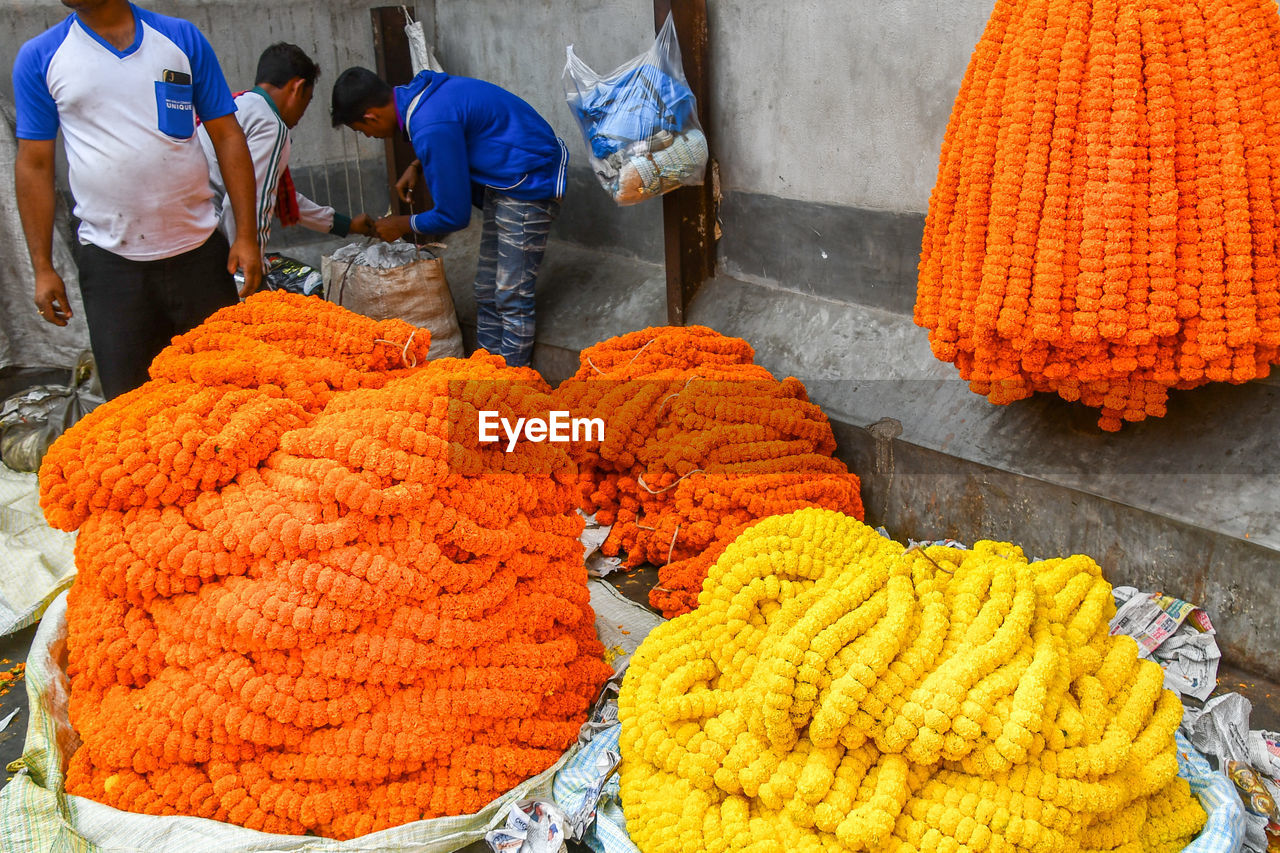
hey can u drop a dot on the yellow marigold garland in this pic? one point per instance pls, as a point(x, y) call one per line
point(699, 442)
point(834, 690)
point(1103, 224)
point(309, 600)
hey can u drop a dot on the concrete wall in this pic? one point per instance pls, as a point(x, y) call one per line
point(827, 115)
point(836, 101)
point(827, 119)
point(334, 165)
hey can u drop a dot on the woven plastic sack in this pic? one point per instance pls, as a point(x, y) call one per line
point(38, 816)
point(36, 561)
point(640, 122)
point(397, 280)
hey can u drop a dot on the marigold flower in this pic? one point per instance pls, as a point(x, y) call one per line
point(308, 601)
point(1103, 222)
point(834, 690)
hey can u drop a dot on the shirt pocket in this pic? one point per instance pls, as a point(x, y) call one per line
point(175, 112)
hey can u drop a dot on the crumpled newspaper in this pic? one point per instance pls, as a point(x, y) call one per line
point(1221, 728)
point(533, 826)
point(929, 543)
point(593, 536)
point(1221, 731)
point(383, 256)
point(1174, 633)
point(1264, 757)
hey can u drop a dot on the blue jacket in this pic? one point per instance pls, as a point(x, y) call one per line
point(470, 135)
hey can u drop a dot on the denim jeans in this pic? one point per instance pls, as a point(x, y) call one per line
point(511, 248)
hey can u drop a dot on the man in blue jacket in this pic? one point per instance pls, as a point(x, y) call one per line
point(476, 144)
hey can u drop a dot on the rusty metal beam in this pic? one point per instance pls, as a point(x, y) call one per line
point(688, 214)
point(395, 65)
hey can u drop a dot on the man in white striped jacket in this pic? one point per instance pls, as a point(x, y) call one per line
point(283, 86)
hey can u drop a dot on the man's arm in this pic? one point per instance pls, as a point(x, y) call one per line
point(237, 172)
point(326, 220)
point(442, 154)
point(34, 174)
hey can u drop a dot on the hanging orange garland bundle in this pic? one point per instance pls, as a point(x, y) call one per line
point(699, 443)
point(325, 608)
point(1103, 224)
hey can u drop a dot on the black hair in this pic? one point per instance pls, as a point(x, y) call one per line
point(356, 91)
point(282, 62)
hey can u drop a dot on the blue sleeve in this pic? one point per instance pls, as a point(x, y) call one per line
point(37, 112)
point(209, 91)
point(442, 149)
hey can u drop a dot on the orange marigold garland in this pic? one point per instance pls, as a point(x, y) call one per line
point(1104, 221)
point(699, 443)
point(324, 607)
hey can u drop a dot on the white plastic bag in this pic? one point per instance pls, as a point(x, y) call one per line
point(421, 56)
point(640, 122)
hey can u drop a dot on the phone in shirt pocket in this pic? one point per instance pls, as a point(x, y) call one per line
point(175, 110)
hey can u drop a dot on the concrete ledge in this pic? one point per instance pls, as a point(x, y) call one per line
point(919, 493)
point(825, 250)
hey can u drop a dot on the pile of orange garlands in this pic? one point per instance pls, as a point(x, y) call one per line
point(1104, 221)
point(699, 443)
point(308, 601)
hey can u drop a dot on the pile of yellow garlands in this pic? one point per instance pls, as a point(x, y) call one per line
point(699, 442)
point(1104, 223)
point(836, 691)
point(309, 600)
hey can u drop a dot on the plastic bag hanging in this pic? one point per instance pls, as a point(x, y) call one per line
point(421, 56)
point(640, 122)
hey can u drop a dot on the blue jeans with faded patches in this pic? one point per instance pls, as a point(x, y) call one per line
point(511, 248)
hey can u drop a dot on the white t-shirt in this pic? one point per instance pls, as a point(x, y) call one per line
point(137, 171)
point(269, 144)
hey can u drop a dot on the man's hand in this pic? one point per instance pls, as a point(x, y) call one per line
point(51, 298)
point(409, 182)
point(362, 225)
point(392, 227)
point(33, 178)
point(244, 255)
point(237, 171)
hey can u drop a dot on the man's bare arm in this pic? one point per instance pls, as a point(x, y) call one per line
point(237, 172)
point(34, 181)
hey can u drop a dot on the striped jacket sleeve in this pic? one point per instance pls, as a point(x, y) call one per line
point(319, 217)
point(268, 139)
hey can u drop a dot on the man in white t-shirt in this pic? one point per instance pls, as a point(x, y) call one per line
point(125, 86)
point(282, 90)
